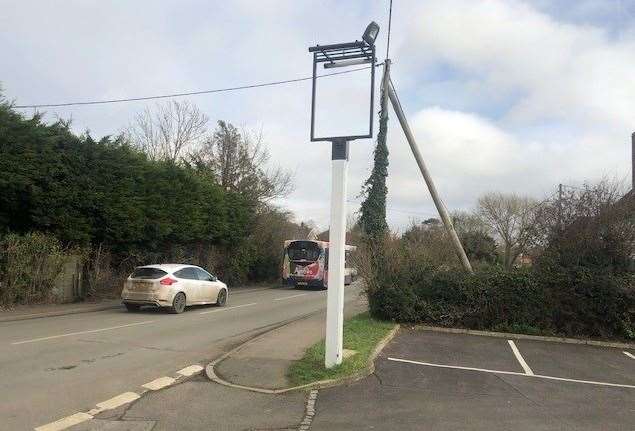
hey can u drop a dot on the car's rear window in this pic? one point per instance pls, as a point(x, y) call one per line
point(148, 273)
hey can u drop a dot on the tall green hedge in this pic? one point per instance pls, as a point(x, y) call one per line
point(88, 192)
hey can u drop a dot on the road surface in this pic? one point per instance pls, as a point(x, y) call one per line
point(56, 366)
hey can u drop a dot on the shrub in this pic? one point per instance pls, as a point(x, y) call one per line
point(30, 265)
point(553, 300)
point(102, 278)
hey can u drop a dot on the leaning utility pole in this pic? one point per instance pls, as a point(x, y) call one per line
point(424, 171)
point(385, 82)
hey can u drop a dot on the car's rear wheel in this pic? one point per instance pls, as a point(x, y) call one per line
point(132, 307)
point(178, 303)
point(221, 300)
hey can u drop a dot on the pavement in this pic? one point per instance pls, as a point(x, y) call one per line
point(199, 404)
point(423, 380)
point(64, 368)
point(264, 362)
point(117, 371)
point(438, 381)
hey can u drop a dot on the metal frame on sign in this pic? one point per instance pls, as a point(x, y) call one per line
point(339, 55)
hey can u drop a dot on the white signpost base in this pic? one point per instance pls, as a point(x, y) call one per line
point(337, 240)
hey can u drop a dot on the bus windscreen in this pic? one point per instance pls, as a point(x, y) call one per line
point(303, 251)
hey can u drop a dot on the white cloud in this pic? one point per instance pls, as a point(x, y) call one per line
point(547, 101)
point(469, 155)
point(466, 143)
point(466, 154)
point(554, 70)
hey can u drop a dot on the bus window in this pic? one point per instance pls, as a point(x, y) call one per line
point(303, 251)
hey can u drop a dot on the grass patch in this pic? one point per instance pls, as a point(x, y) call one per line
point(361, 333)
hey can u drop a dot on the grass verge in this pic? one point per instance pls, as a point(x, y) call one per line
point(361, 333)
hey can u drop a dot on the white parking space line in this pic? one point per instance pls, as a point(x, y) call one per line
point(117, 401)
point(159, 383)
point(520, 358)
point(513, 373)
point(66, 422)
point(70, 334)
point(289, 297)
point(228, 308)
point(191, 370)
point(630, 355)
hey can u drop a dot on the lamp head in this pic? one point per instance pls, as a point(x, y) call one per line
point(371, 32)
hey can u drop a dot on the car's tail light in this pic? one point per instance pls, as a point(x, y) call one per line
point(167, 281)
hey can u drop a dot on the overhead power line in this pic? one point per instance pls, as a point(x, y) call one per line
point(391, 209)
point(190, 93)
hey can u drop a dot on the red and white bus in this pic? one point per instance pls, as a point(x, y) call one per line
point(305, 263)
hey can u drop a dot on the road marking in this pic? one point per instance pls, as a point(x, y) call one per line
point(630, 355)
point(239, 290)
point(117, 401)
point(289, 297)
point(66, 422)
point(159, 383)
point(513, 373)
point(520, 358)
point(309, 411)
point(191, 370)
point(82, 332)
point(228, 308)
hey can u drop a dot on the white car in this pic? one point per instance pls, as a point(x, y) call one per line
point(174, 286)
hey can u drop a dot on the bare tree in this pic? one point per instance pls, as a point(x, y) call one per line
point(240, 162)
point(429, 241)
point(590, 226)
point(467, 222)
point(511, 217)
point(168, 131)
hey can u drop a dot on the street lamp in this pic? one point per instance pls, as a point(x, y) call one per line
point(371, 32)
point(331, 56)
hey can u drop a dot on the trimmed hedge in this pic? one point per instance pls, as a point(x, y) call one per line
point(87, 192)
point(565, 302)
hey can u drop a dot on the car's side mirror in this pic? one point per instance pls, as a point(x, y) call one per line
point(212, 278)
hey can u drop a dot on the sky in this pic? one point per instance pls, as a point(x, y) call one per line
point(511, 96)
